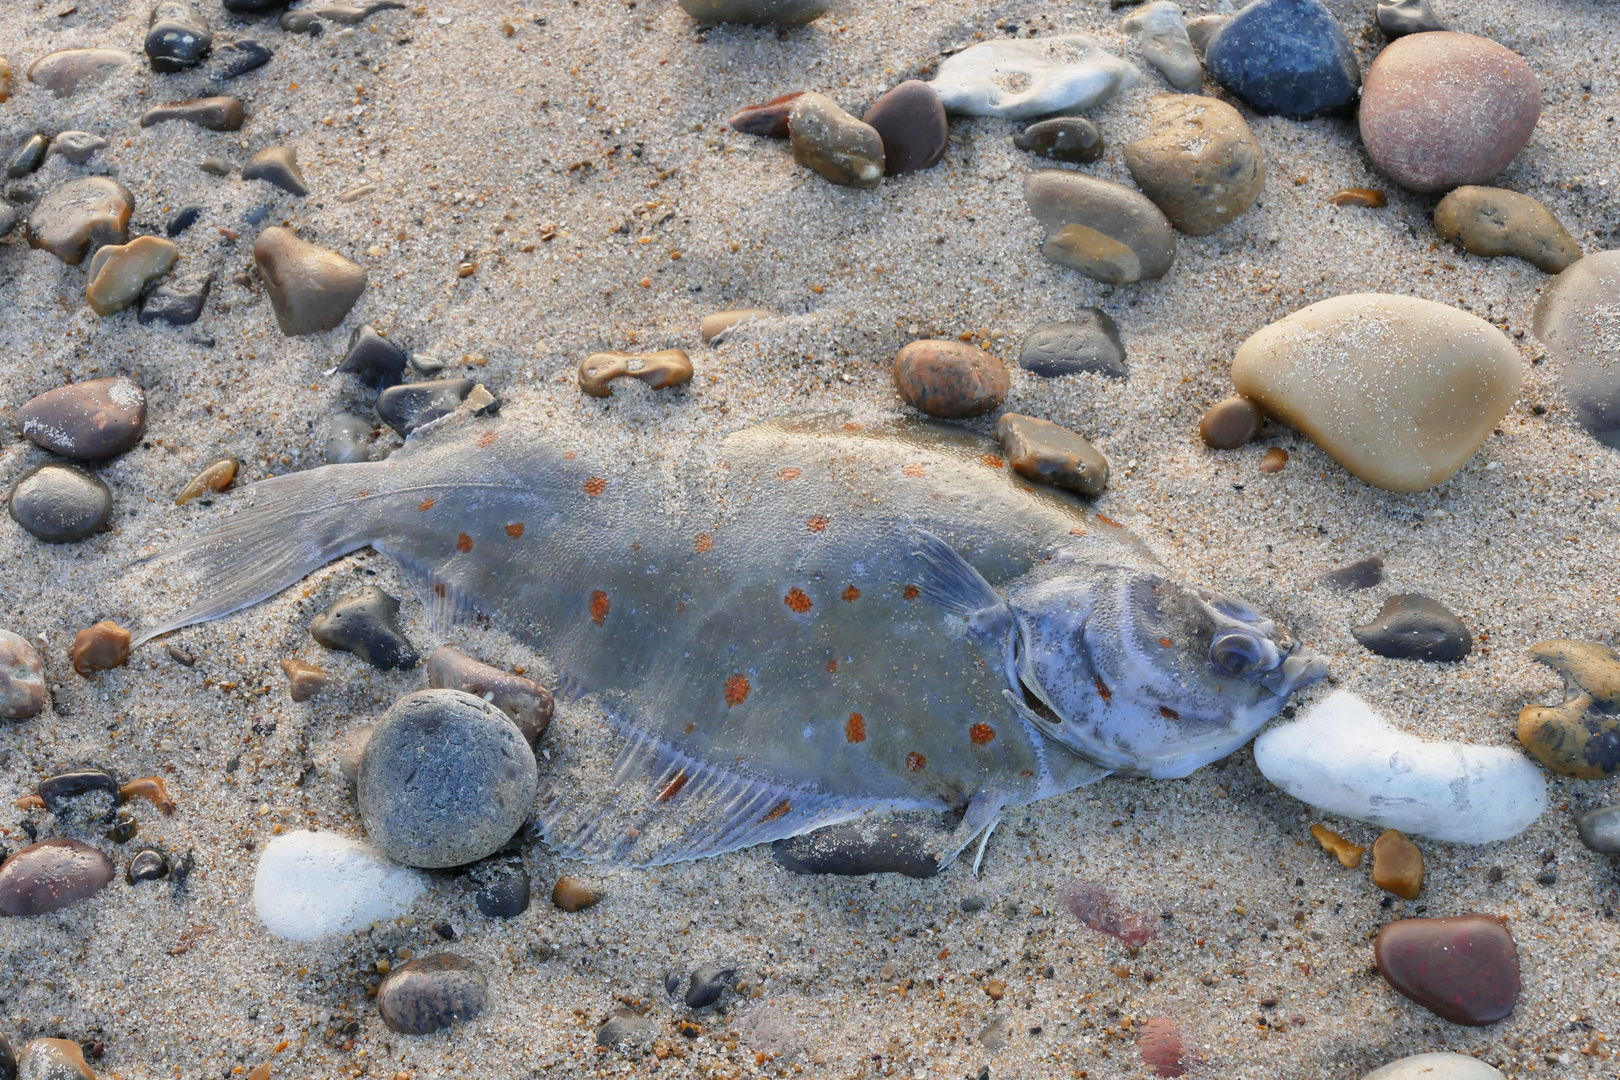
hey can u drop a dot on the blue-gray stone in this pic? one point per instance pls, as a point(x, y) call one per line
point(366, 623)
point(185, 219)
point(348, 440)
point(1286, 56)
point(177, 301)
point(1600, 830)
point(1397, 18)
point(709, 982)
point(406, 408)
point(858, 848)
point(503, 889)
point(60, 503)
point(237, 58)
point(1089, 343)
point(373, 359)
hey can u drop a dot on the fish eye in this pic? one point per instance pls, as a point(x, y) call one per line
point(1237, 653)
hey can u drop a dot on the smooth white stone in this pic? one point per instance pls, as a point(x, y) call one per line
point(1436, 1066)
point(1032, 77)
point(1159, 30)
point(1344, 758)
point(311, 884)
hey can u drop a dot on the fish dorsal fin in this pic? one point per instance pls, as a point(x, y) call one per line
point(952, 584)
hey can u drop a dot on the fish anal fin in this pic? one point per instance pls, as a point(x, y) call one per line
point(448, 605)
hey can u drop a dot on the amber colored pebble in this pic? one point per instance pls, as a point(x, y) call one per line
point(1348, 854)
point(716, 325)
point(1581, 736)
point(150, 788)
point(667, 367)
point(260, 1072)
point(1463, 969)
point(1274, 461)
point(102, 646)
point(769, 119)
point(304, 681)
point(217, 477)
point(1231, 423)
point(1358, 196)
point(995, 989)
point(1397, 865)
point(571, 895)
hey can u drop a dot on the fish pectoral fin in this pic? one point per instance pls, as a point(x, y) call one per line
point(952, 584)
point(447, 604)
point(981, 815)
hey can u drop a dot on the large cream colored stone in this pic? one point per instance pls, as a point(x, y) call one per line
point(1398, 390)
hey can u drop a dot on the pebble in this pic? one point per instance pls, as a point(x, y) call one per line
point(1574, 319)
point(22, 678)
point(1348, 854)
point(365, 622)
point(1581, 736)
point(215, 166)
point(409, 406)
point(252, 7)
point(1201, 166)
point(1064, 138)
point(1444, 380)
point(1353, 577)
point(50, 875)
point(1160, 32)
point(119, 273)
point(59, 503)
point(1059, 74)
point(183, 220)
point(215, 478)
point(66, 72)
point(857, 848)
point(1230, 423)
point(309, 885)
point(213, 113)
point(1099, 909)
point(304, 681)
point(526, 702)
point(1358, 196)
point(9, 218)
point(277, 166)
point(1274, 460)
point(1105, 230)
point(347, 440)
point(570, 894)
point(351, 749)
point(1162, 1048)
point(77, 146)
point(101, 647)
point(757, 12)
point(1045, 453)
point(769, 120)
point(80, 216)
point(709, 982)
point(177, 301)
point(627, 1032)
point(373, 359)
point(1285, 56)
point(1088, 344)
point(147, 865)
point(1441, 1065)
point(910, 120)
point(834, 143)
point(503, 890)
point(431, 993)
point(1345, 759)
point(30, 156)
point(53, 1059)
point(1397, 18)
point(1397, 865)
point(1411, 626)
point(59, 790)
point(177, 37)
point(1463, 969)
point(1201, 30)
point(87, 421)
point(950, 379)
point(715, 328)
point(311, 287)
point(445, 780)
point(236, 58)
point(1599, 830)
point(1494, 221)
point(657, 370)
point(1427, 139)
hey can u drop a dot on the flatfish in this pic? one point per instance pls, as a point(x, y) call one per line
point(838, 619)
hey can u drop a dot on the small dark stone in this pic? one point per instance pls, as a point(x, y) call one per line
point(1547, 877)
point(857, 848)
point(627, 1032)
point(1289, 57)
point(213, 113)
point(709, 982)
point(277, 165)
point(373, 359)
point(1495, 875)
point(366, 623)
point(411, 405)
point(181, 868)
point(178, 36)
point(8, 1060)
point(448, 931)
point(910, 119)
point(252, 7)
point(147, 865)
point(59, 789)
point(1397, 18)
point(185, 219)
point(237, 58)
point(503, 890)
point(30, 156)
point(1046, 453)
point(1463, 969)
point(87, 421)
point(124, 828)
point(50, 875)
point(80, 216)
point(182, 657)
point(60, 504)
point(347, 440)
point(1599, 830)
point(9, 218)
point(769, 120)
point(1066, 138)
point(673, 981)
point(77, 146)
point(1090, 343)
point(973, 903)
point(1353, 577)
point(1411, 626)
point(177, 301)
point(434, 992)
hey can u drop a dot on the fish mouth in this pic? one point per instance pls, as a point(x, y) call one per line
point(1300, 668)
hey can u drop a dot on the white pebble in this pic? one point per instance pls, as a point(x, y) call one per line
point(1054, 74)
point(311, 884)
point(1436, 1066)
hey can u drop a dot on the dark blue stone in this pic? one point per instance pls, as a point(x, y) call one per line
point(1286, 56)
point(185, 219)
point(237, 59)
point(177, 301)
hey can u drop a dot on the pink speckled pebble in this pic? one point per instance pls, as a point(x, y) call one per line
point(1162, 1048)
point(1442, 109)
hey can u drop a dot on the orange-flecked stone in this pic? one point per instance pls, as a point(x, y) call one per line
point(950, 379)
point(1463, 969)
point(1397, 865)
point(1274, 461)
point(99, 647)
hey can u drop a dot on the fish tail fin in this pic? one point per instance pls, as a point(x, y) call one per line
point(290, 526)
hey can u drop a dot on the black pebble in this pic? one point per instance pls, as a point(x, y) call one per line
point(1410, 626)
point(237, 59)
point(373, 359)
point(59, 789)
point(365, 623)
point(178, 36)
point(1353, 577)
point(147, 865)
point(252, 7)
point(181, 656)
point(177, 301)
point(185, 219)
point(858, 848)
point(60, 503)
point(972, 903)
point(124, 828)
point(407, 407)
point(1547, 877)
point(8, 1060)
point(180, 870)
point(673, 981)
point(8, 218)
point(30, 155)
point(1397, 18)
point(709, 982)
point(503, 890)
point(1090, 343)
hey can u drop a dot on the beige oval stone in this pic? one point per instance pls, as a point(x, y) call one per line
point(1105, 230)
point(1495, 221)
point(311, 288)
point(68, 70)
point(119, 273)
point(717, 324)
point(1398, 390)
point(1202, 165)
point(667, 367)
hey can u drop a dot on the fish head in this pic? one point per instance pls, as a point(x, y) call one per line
point(1143, 674)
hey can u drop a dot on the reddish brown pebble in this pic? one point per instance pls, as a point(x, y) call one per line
point(102, 646)
point(1348, 854)
point(1097, 908)
point(50, 875)
point(769, 119)
point(1161, 1047)
point(1274, 461)
point(1358, 196)
point(571, 895)
point(86, 421)
point(995, 989)
point(910, 119)
point(950, 379)
point(1397, 865)
point(527, 702)
point(1463, 969)
point(153, 790)
point(304, 681)
point(667, 367)
point(1231, 423)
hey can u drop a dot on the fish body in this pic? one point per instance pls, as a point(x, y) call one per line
point(836, 619)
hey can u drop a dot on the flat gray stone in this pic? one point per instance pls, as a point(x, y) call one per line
point(1088, 343)
point(1600, 830)
point(1159, 30)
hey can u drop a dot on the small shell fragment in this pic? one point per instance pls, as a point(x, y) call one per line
point(217, 477)
point(667, 367)
point(304, 681)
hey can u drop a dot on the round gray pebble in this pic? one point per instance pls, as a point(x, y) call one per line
point(60, 503)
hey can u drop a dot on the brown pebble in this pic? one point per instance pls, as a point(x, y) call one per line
point(1274, 461)
point(527, 702)
point(102, 646)
point(1046, 453)
point(432, 993)
point(571, 895)
point(1358, 196)
point(304, 681)
point(88, 421)
point(667, 367)
point(351, 749)
point(769, 119)
point(120, 273)
point(80, 216)
point(53, 1059)
point(153, 790)
point(1231, 423)
point(311, 287)
point(260, 1072)
point(995, 989)
point(65, 71)
point(1397, 865)
point(1349, 854)
point(50, 875)
point(950, 379)
point(213, 113)
point(217, 477)
point(1464, 969)
point(715, 325)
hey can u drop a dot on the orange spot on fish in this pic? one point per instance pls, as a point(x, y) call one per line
point(691, 728)
point(817, 523)
point(1169, 713)
point(487, 438)
point(855, 728)
point(832, 665)
point(911, 592)
point(426, 504)
point(599, 607)
point(789, 474)
point(362, 494)
point(1109, 521)
point(464, 543)
point(673, 788)
point(853, 426)
point(914, 470)
point(594, 486)
point(737, 689)
point(781, 808)
point(852, 594)
point(515, 529)
point(438, 588)
point(981, 733)
point(992, 460)
point(703, 543)
point(797, 600)
point(916, 762)
point(1165, 642)
point(570, 455)
point(1077, 531)
point(1026, 773)
point(1102, 689)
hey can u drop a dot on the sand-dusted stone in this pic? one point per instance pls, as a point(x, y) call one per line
point(503, 889)
point(53, 1059)
point(1398, 390)
point(1463, 969)
point(1581, 736)
point(714, 328)
point(445, 780)
point(351, 747)
point(431, 993)
point(1063, 138)
point(1575, 319)
point(1201, 166)
point(147, 865)
point(1494, 221)
point(22, 678)
point(1285, 56)
point(1443, 109)
point(213, 113)
point(1599, 830)
point(757, 12)
point(1354, 577)
point(119, 273)
point(857, 848)
point(628, 1032)
point(1442, 1065)
point(60, 504)
point(66, 72)
point(1088, 343)
point(527, 702)
point(667, 367)
point(234, 59)
point(60, 791)
point(50, 875)
point(373, 359)
point(1046, 453)
point(1201, 30)
point(1230, 423)
point(177, 36)
point(30, 155)
point(1103, 229)
point(910, 120)
point(87, 421)
point(1020, 78)
point(409, 406)
point(73, 220)
point(77, 146)
point(1160, 31)
point(1397, 865)
point(950, 379)
point(309, 885)
point(571, 894)
point(304, 681)
point(365, 622)
point(277, 166)
point(1397, 18)
point(1411, 626)
point(101, 647)
point(311, 287)
point(769, 120)
point(177, 300)
point(834, 143)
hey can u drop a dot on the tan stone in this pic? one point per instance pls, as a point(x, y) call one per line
point(834, 143)
point(667, 367)
point(1397, 865)
point(311, 288)
point(1230, 423)
point(217, 477)
point(1201, 166)
point(1348, 854)
point(570, 894)
point(68, 70)
point(119, 273)
point(1494, 221)
point(1048, 453)
point(721, 321)
point(304, 681)
point(99, 647)
point(1105, 230)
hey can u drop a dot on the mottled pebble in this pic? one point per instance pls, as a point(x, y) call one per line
point(1105, 230)
point(236, 58)
point(119, 273)
point(503, 889)
point(1099, 909)
point(412, 405)
point(627, 1032)
point(1581, 736)
point(73, 220)
point(1599, 830)
point(571, 894)
point(857, 848)
point(99, 648)
point(1574, 318)
point(277, 166)
point(213, 113)
point(176, 300)
point(1230, 423)
point(1494, 221)
point(87, 421)
point(373, 359)
point(757, 12)
point(53, 1059)
point(1046, 453)
point(1064, 138)
point(1397, 865)
point(1201, 166)
point(973, 903)
point(1463, 969)
point(1397, 18)
point(1020, 78)
point(709, 981)
point(311, 287)
point(950, 379)
point(348, 440)
point(50, 875)
point(833, 143)
point(769, 120)
point(1088, 343)
point(147, 865)
point(911, 124)
point(59, 503)
point(29, 156)
point(65, 72)
point(1411, 626)
point(365, 622)
point(177, 37)
point(1353, 577)
point(432, 993)
point(715, 328)
point(1441, 1065)
point(304, 681)
point(1348, 854)
point(312, 884)
point(1160, 32)
point(1285, 56)
point(22, 678)
point(657, 370)
point(526, 702)
point(1162, 1048)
